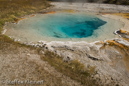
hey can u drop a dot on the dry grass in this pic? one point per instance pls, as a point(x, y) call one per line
point(11, 10)
point(74, 69)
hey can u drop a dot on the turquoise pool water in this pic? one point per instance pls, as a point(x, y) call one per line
point(64, 27)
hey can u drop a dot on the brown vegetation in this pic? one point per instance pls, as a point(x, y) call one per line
point(11, 10)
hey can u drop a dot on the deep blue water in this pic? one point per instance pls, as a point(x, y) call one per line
point(68, 25)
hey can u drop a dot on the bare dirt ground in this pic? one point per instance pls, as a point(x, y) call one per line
point(24, 64)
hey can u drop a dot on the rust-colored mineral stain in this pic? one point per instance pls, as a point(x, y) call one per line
point(124, 15)
point(125, 32)
point(52, 12)
point(69, 11)
point(126, 62)
point(19, 19)
point(32, 15)
point(112, 43)
point(126, 57)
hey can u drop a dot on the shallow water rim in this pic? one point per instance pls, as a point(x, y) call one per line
point(29, 16)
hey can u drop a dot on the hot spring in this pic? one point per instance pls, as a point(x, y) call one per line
point(63, 26)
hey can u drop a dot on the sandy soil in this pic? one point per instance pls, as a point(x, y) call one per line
point(20, 63)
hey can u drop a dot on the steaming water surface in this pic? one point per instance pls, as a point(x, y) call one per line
point(64, 27)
